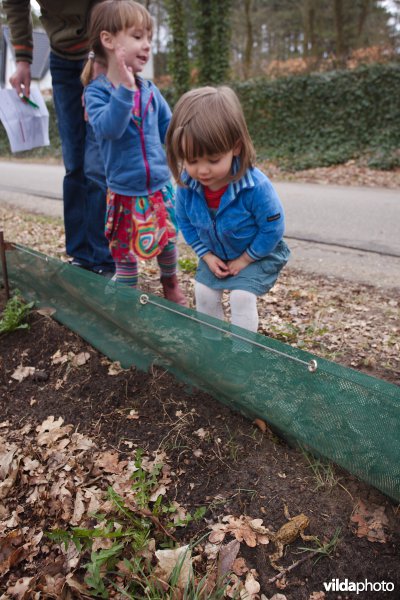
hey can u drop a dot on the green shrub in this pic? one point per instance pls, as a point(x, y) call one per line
point(15, 314)
point(326, 118)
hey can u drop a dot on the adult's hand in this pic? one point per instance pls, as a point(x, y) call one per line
point(21, 79)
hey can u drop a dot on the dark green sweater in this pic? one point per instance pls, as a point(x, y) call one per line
point(64, 22)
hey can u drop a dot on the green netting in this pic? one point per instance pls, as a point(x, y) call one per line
point(335, 412)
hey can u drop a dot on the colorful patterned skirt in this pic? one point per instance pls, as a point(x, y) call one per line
point(140, 226)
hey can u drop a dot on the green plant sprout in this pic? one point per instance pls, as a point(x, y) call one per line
point(14, 314)
point(188, 265)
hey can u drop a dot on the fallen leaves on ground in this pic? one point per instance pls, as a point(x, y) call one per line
point(60, 477)
point(76, 360)
point(349, 173)
point(370, 521)
point(243, 528)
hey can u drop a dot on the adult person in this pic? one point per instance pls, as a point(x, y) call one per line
point(84, 187)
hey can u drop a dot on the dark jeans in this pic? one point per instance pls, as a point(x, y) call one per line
point(84, 189)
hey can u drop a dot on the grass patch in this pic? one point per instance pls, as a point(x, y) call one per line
point(323, 472)
point(326, 549)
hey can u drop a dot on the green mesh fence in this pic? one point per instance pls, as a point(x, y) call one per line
point(334, 412)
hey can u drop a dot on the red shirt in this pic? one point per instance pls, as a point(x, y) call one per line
point(213, 197)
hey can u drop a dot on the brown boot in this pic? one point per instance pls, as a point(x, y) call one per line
point(172, 291)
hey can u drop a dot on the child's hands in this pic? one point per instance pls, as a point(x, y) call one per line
point(126, 74)
point(216, 265)
point(236, 265)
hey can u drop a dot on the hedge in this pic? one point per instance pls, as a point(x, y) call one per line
point(312, 120)
point(326, 118)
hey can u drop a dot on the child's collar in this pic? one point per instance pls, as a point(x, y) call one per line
point(246, 181)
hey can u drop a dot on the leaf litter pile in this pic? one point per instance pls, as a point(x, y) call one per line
point(115, 480)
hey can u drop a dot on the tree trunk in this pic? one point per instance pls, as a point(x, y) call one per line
point(310, 44)
point(362, 20)
point(338, 8)
point(248, 51)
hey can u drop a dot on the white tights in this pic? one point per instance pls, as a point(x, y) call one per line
point(243, 305)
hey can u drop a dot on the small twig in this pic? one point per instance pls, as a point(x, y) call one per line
point(293, 566)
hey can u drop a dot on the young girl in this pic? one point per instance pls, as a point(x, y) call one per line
point(130, 118)
point(228, 211)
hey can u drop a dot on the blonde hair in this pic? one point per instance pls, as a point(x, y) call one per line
point(112, 16)
point(210, 121)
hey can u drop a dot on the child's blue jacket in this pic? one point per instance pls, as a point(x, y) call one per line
point(134, 157)
point(250, 218)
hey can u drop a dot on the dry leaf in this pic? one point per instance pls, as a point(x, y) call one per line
point(243, 529)
point(80, 359)
point(115, 368)
point(9, 467)
point(370, 522)
point(11, 550)
point(260, 424)
point(59, 359)
point(211, 550)
point(46, 311)
point(160, 491)
point(251, 587)
point(239, 567)
point(21, 587)
point(21, 373)
point(226, 558)
point(79, 509)
point(179, 559)
point(201, 433)
point(108, 461)
point(50, 431)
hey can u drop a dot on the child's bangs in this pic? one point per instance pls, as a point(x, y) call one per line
point(202, 137)
point(133, 15)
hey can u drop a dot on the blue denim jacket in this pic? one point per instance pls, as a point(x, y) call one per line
point(134, 157)
point(249, 218)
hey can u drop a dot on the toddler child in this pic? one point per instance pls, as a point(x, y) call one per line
point(130, 117)
point(227, 210)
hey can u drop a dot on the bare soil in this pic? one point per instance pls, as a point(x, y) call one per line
point(241, 470)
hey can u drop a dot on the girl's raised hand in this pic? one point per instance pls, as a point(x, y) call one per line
point(126, 74)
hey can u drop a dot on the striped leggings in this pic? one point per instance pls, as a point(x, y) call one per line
point(127, 272)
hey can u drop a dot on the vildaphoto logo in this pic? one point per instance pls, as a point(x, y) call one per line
point(335, 585)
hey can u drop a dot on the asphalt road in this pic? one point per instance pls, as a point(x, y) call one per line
point(340, 231)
